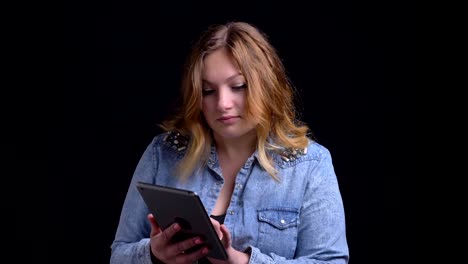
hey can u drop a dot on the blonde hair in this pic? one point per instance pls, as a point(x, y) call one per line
point(269, 99)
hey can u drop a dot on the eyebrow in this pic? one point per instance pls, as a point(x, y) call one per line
point(228, 79)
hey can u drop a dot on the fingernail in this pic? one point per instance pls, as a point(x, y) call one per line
point(204, 250)
point(176, 227)
point(197, 240)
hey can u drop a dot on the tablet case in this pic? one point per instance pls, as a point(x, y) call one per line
point(169, 205)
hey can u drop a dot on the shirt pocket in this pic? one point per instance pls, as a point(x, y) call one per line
point(277, 228)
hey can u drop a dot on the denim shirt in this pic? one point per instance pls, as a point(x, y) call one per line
point(299, 219)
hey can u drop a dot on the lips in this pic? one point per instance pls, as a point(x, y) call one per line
point(228, 119)
point(224, 118)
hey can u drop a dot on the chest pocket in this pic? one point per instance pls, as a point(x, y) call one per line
point(277, 229)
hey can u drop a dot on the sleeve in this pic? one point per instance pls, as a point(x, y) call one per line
point(321, 234)
point(131, 243)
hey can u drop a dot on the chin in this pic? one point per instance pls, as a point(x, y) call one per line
point(229, 135)
point(232, 133)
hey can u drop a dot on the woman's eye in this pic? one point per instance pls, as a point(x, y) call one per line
point(207, 91)
point(240, 86)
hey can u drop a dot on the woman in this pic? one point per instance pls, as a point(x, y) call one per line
point(237, 143)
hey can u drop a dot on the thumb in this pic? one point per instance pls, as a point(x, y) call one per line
point(226, 236)
point(217, 227)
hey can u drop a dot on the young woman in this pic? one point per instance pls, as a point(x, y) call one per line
point(236, 142)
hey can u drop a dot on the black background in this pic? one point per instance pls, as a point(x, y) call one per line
point(353, 64)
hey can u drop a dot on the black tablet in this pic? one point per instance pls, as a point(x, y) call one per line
point(169, 205)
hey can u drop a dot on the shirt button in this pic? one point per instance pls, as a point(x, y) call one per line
point(231, 212)
point(238, 186)
point(282, 221)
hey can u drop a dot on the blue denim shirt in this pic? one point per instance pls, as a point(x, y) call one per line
point(297, 220)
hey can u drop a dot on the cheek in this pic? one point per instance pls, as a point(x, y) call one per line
point(240, 101)
point(206, 107)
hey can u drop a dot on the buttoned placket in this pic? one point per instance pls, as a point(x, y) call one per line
point(235, 206)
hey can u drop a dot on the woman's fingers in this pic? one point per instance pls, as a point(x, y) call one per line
point(226, 238)
point(217, 228)
point(181, 247)
point(191, 257)
point(168, 233)
point(154, 226)
point(168, 251)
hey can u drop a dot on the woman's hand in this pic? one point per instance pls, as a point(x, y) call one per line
point(234, 256)
point(173, 252)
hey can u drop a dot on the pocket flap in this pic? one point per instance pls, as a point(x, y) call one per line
point(280, 218)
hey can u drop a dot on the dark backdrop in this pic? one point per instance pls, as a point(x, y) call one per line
point(351, 62)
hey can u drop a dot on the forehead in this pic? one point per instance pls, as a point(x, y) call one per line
point(219, 66)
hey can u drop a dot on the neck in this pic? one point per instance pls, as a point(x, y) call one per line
point(242, 146)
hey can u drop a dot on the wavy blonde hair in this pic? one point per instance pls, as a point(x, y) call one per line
point(269, 96)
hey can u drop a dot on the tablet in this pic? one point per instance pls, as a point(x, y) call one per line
point(169, 205)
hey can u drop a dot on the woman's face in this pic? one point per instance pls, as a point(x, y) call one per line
point(224, 97)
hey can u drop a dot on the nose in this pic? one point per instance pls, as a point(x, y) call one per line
point(225, 99)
